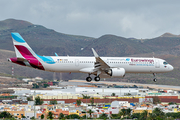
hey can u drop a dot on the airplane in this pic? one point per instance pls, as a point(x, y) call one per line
point(101, 67)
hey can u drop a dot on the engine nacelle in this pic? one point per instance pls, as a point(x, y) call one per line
point(116, 72)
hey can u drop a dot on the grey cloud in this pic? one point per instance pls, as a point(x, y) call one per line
point(128, 18)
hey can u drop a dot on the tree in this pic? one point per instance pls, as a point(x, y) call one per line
point(136, 115)
point(83, 117)
point(50, 115)
point(53, 102)
point(5, 114)
point(129, 112)
point(42, 116)
point(115, 116)
point(90, 112)
point(85, 96)
point(61, 116)
point(103, 116)
point(45, 85)
point(35, 85)
point(92, 101)
point(78, 102)
point(144, 115)
point(113, 94)
point(22, 116)
point(129, 94)
point(122, 112)
point(158, 112)
point(125, 112)
point(38, 101)
point(72, 116)
point(173, 115)
point(172, 103)
point(32, 118)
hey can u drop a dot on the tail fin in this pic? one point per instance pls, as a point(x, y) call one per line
point(24, 54)
point(22, 49)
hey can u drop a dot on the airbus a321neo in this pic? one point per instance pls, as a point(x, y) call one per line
point(101, 67)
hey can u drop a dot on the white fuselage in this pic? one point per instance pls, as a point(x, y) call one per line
point(130, 64)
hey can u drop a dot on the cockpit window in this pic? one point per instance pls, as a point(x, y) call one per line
point(165, 63)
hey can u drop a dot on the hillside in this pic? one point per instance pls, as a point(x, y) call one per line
point(46, 42)
point(43, 41)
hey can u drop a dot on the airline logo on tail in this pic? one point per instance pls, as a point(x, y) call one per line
point(24, 54)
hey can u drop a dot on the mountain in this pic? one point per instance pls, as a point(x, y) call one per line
point(46, 41)
point(43, 41)
point(111, 45)
point(169, 35)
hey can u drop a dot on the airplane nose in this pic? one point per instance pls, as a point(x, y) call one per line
point(171, 67)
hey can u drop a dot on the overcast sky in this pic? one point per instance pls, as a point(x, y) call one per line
point(94, 18)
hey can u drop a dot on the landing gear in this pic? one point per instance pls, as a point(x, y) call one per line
point(89, 79)
point(97, 78)
point(154, 77)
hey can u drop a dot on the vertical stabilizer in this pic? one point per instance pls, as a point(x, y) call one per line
point(24, 54)
point(22, 49)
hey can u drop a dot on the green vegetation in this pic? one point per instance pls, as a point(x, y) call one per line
point(85, 96)
point(157, 114)
point(90, 112)
point(61, 116)
point(103, 116)
point(5, 114)
point(92, 101)
point(6, 97)
point(35, 86)
point(45, 85)
point(78, 102)
point(50, 115)
point(38, 101)
point(53, 102)
point(172, 103)
point(72, 116)
point(42, 116)
point(113, 94)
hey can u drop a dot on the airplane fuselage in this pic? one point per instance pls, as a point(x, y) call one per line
point(130, 64)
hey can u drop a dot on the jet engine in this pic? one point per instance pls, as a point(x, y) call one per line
point(116, 72)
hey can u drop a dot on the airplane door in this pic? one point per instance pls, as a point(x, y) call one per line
point(76, 62)
point(157, 64)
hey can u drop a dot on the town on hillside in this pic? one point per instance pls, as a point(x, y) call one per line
point(36, 98)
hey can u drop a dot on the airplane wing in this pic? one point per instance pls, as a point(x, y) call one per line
point(100, 65)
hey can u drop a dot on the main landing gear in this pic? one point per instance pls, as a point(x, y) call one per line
point(89, 79)
point(97, 78)
point(154, 77)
